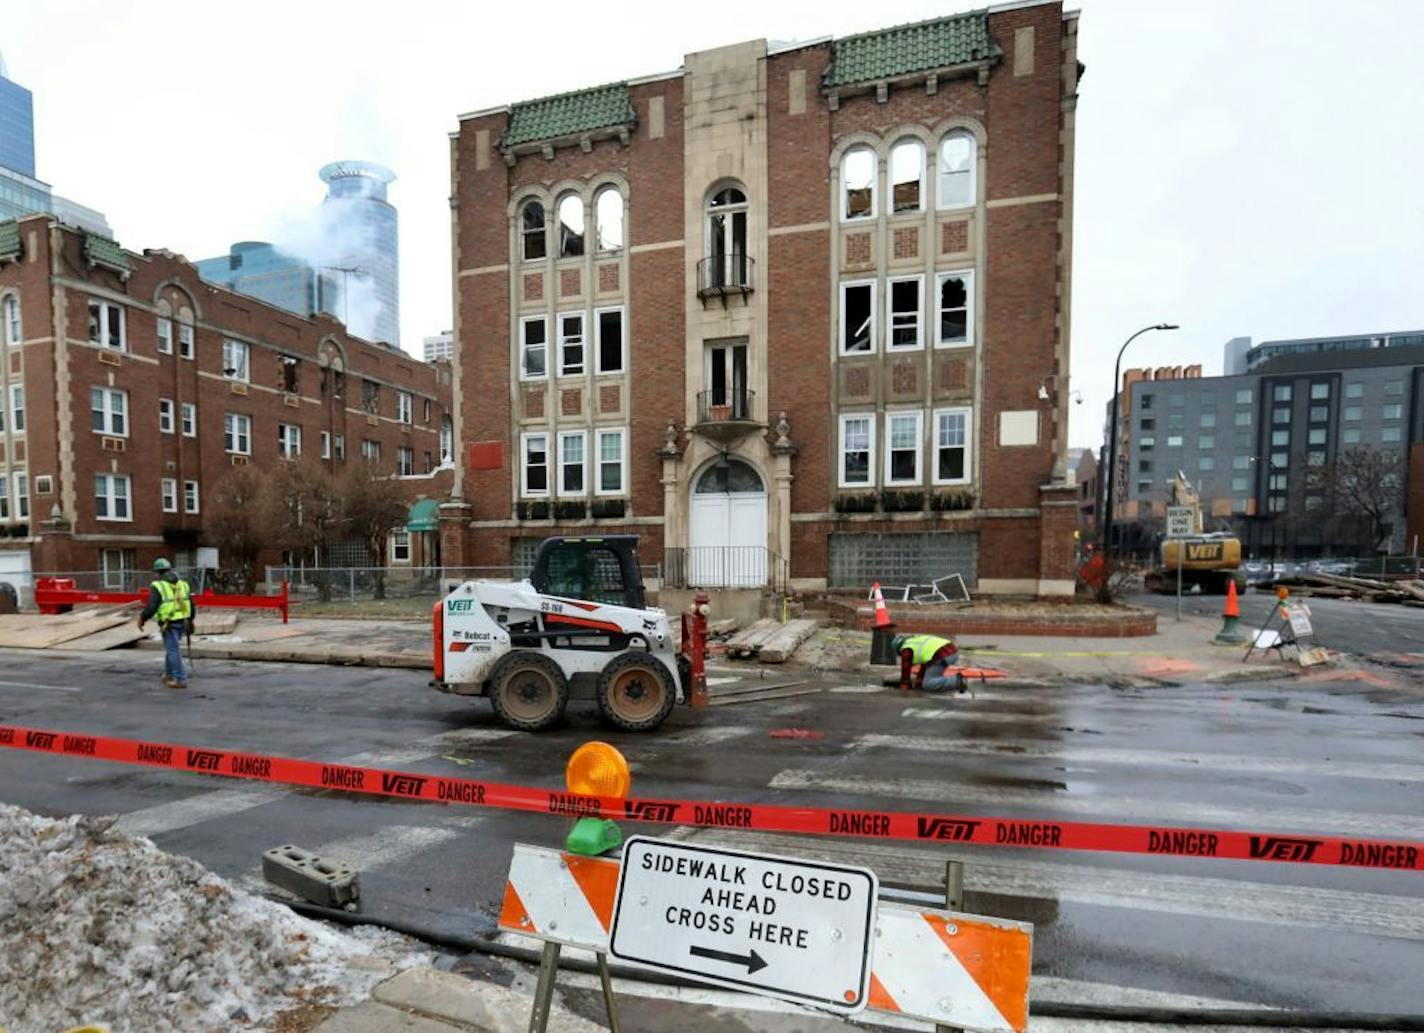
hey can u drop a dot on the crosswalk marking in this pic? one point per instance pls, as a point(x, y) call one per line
point(1117, 808)
point(1208, 762)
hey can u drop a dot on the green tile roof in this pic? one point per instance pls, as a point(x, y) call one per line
point(103, 251)
point(569, 114)
point(9, 239)
point(905, 49)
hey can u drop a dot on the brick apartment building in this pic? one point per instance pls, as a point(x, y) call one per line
point(800, 305)
point(131, 388)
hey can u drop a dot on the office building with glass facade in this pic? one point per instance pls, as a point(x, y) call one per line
point(262, 271)
point(361, 271)
point(17, 125)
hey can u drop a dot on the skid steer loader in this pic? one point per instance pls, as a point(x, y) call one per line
point(579, 627)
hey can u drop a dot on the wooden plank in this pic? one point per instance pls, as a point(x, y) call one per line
point(57, 632)
point(748, 641)
point(209, 623)
point(111, 638)
point(778, 648)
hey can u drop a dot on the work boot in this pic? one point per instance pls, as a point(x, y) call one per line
point(173, 683)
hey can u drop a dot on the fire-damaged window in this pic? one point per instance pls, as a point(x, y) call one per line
point(535, 467)
point(531, 232)
point(570, 226)
point(858, 317)
point(907, 176)
point(534, 348)
point(291, 381)
point(858, 172)
point(956, 322)
point(370, 396)
point(610, 340)
point(608, 218)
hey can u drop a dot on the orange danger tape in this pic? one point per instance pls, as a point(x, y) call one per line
point(815, 821)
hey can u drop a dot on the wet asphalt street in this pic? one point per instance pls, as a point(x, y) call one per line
point(1326, 754)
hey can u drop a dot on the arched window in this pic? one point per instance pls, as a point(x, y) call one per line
point(956, 170)
point(570, 226)
point(907, 176)
point(12, 320)
point(608, 218)
point(531, 231)
point(727, 238)
point(858, 169)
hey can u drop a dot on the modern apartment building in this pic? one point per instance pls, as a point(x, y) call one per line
point(440, 346)
point(129, 388)
point(798, 308)
point(1256, 444)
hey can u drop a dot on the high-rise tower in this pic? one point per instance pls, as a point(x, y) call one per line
point(361, 273)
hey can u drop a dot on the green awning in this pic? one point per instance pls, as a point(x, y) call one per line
point(424, 516)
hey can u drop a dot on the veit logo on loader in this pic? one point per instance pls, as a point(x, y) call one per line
point(649, 810)
point(946, 828)
point(1283, 848)
point(459, 606)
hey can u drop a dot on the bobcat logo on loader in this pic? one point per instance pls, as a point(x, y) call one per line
point(649, 624)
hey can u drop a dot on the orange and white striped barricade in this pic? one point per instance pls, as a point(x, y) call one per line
point(930, 964)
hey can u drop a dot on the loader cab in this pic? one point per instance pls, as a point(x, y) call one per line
point(599, 570)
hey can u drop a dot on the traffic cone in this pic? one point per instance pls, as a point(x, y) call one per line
point(1231, 633)
point(882, 614)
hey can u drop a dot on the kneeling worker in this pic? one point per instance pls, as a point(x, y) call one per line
point(932, 656)
point(171, 602)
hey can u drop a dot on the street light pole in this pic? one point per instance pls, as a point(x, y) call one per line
point(1113, 433)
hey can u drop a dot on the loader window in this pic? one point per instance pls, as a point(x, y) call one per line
point(578, 571)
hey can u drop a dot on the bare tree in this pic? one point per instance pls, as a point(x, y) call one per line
point(304, 509)
point(372, 506)
point(238, 524)
point(1367, 483)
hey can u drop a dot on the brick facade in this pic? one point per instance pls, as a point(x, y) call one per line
point(778, 136)
point(59, 452)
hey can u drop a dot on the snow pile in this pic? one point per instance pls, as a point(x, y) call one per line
point(100, 927)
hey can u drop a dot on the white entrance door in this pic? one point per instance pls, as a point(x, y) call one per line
point(728, 528)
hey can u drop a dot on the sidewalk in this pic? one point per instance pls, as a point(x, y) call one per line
point(339, 641)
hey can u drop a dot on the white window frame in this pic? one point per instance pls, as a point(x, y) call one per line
point(524, 489)
point(890, 208)
point(168, 494)
point(400, 542)
point(22, 495)
point(918, 417)
point(111, 497)
point(237, 441)
point(17, 408)
point(968, 413)
point(870, 456)
point(13, 328)
point(230, 350)
point(598, 246)
point(598, 435)
point(165, 416)
point(289, 440)
point(4, 498)
point(188, 419)
point(326, 444)
point(874, 184)
point(191, 501)
point(524, 347)
point(940, 203)
point(405, 407)
point(405, 461)
point(598, 314)
point(105, 340)
point(371, 450)
point(185, 341)
point(919, 326)
point(874, 286)
point(967, 275)
point(338, 447)
point(116, 568)
point(566, 369)
point(107, 409)
point(447, 439)
point(163, 330)
point(582, 436)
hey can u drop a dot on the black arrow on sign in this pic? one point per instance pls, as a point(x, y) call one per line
point(753, 960)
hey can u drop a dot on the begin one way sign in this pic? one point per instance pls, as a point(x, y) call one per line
point(799, 930)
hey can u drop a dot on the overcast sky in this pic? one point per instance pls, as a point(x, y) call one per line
point(1244, 168)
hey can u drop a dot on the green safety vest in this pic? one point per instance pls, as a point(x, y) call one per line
point(176, 605)
point(924, 647)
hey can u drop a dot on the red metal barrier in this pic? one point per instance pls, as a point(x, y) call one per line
point(58, 595)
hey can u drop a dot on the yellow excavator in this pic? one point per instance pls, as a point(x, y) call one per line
point(1209, 561)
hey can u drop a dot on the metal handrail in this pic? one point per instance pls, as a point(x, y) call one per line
point(725, 274)
point(736, 404)
point(725, 566)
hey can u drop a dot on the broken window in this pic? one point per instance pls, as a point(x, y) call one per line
point(370, 396)
point(858, 169)
point(535, 347)
point(610, 340)
point(608, 218)
point(536, 464)
point(531, 229)
point(570, 344)
point(905, 313)
point(956, 170)
point(290, 379)
point(907, 173)
point(570, 226)
point(955, 313)
point(858, 317)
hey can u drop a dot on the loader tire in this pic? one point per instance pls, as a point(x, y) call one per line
point(635, 692)
point(528, 690)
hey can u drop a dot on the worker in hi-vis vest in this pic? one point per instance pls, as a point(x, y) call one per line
point(928, 658)
point(171, 602)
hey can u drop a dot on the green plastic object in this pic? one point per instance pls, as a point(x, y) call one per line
point(593, 836)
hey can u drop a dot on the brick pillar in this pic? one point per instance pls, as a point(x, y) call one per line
point(1057, 519)
point(454, 528)
point(54, 547)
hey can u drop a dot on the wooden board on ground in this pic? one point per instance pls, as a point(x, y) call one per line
point(748, 641)
point(208, 623)
point(783, 642)
point(49, 632)
point(111, 638)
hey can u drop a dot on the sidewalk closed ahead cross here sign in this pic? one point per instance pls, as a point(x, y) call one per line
point(777, 926)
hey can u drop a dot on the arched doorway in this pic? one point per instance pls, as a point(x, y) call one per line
point(727, 527)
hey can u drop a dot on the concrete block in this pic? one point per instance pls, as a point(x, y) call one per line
point(328, 883)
